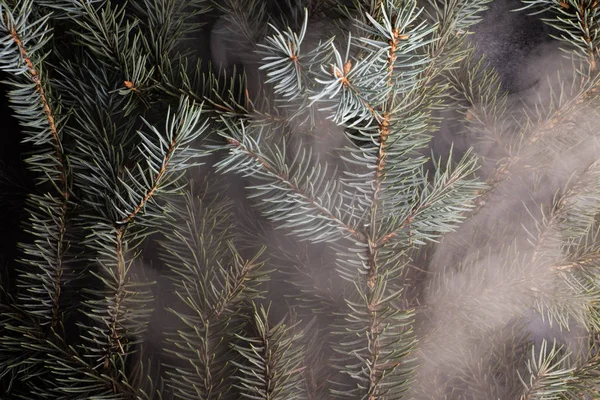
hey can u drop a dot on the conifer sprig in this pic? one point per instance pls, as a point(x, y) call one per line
point(548, 378)
point(24, 44)
point(371, 96)
point(578, 22)
point(116, 308)
point(212, 282)
point(287, 186)
point(272, 360)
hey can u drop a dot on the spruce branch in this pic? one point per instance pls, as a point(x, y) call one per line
point(542, 128)
point(212, 281)
point(394, 29)
point(162, 158)
point(180, 134)
point(75, 375)
point(547, 377)
point(479, 86)
point(286, 186)
point(69, 9)
point(38, 31)
point(22, 56)
point(585, 379)
point(288, 67)
point(373, 96)
point(571, 227)
point(272, 367)
point(165, 25)
point(20, 334)
point(543, 124)
point(361, 86)
point(383, 367)
point(119, 308)
point(578, 22)
point(375, 348)
point(62, 361)
point(285, 66)
point(227, 93)
point(579, 206)
point(118, 43)
point(245, 20)
point(415, 224)
point(458, 15)
point(167, 22)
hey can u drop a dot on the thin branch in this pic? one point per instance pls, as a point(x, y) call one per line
point(588, 260)
point(35, 78)
point(378, 369)
point(411, 216)
point(155, 182)
point(114, 337)
point(34, 75)
point(381, 154)
point(585, 30)
point(235, 288)
point(286, 180)
point(502, 172)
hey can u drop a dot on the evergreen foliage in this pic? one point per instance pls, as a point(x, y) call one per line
point(357, 263)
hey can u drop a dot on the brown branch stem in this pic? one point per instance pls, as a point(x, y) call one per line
point(35, 77)
point(114, 337)
point(155, 184)
point(377, 371)
point(286, 180)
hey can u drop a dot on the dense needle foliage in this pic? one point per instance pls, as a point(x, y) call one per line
point(355, 262)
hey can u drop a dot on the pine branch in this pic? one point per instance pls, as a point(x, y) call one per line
point(117, 308)
point(272, 367)
point(578, 21)
point(547, 379)
point(212, 282)
point(118, 43)
point(284, 182)
point(287, 66)
point(247, 17)
point(22, 56)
